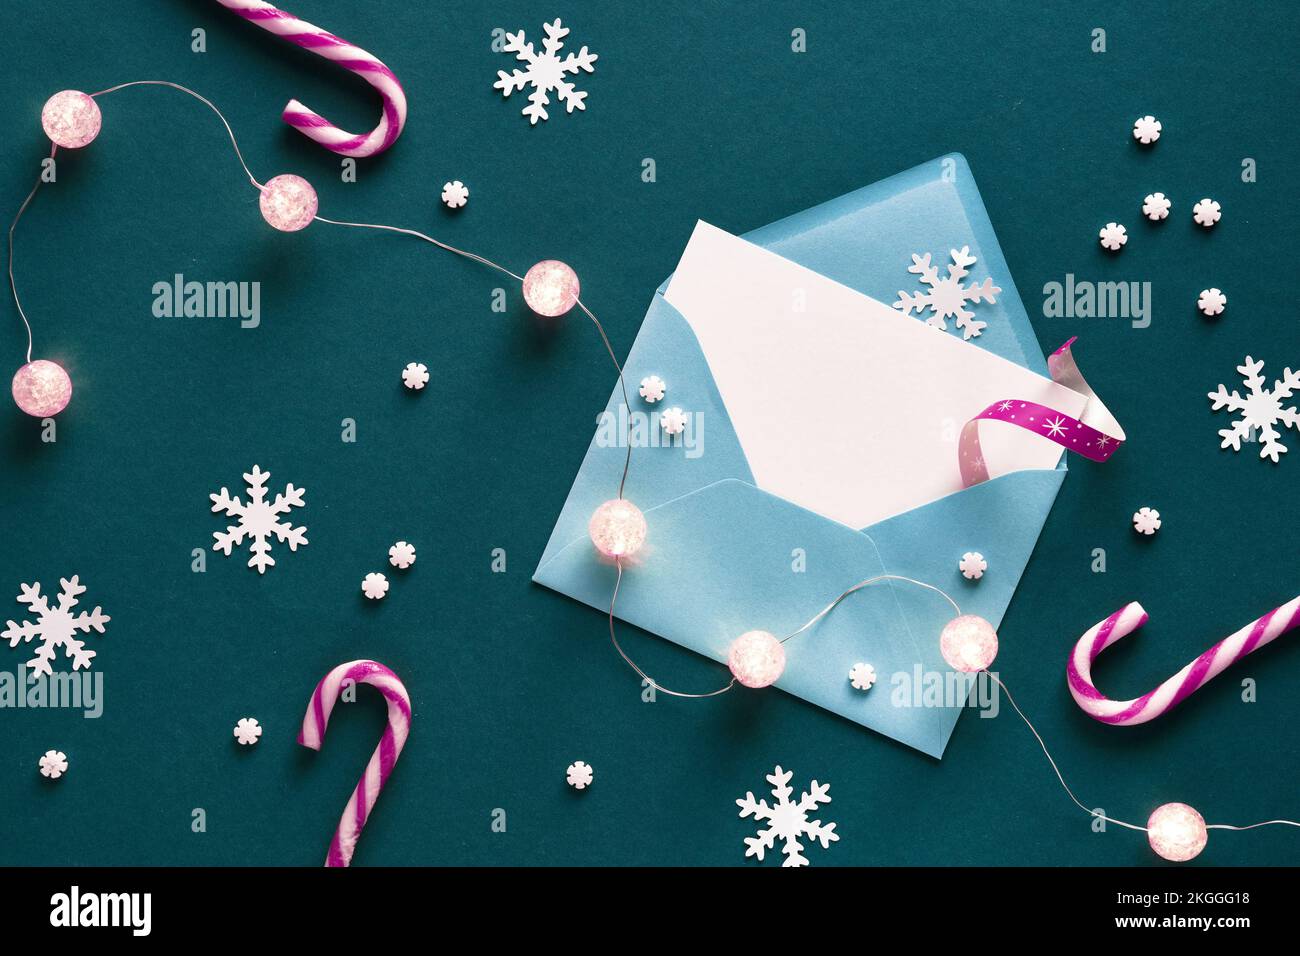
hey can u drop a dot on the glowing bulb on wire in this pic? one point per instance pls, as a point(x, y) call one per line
point(288, 203)
point(756, 658)
point(42, 388)
point(617, 528)
point(71, 119)
point(1177, 832)
point(551, 288)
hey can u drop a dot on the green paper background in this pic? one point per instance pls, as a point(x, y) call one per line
point(510, 681)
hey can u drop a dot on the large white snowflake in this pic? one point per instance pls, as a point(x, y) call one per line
point(947, 297)
point(258, 520)
point(1261, 409)
point(545, 72)
point(787, 821)
point(56, 626)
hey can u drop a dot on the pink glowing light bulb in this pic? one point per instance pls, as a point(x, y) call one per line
point(617, 528)
point(1177, 832)
point(288, 203)
point(551, 288)
point(71, 118)
point(756, 658)
point(42, 388)
point(968, 643)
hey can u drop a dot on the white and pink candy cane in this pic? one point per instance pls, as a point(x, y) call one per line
point(1176, 689)
point(382, 760)
point(322, 43)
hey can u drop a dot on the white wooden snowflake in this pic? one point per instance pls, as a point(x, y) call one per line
point(1207, 212)
point(673, 421)
point(53, 764)
point(787, 821)
point(401, 555)
point(947, 297)
point(653, 388)
point(415, 376)
point(258, 520)
point(545, 72)
point(454, 194)
point(55, 626)
point(862, 676)
point(579, 775)
point(248, 731)
point(1211, 301)
point(1146, 521)
point(972, 565)
point(1113, 236)
point(1260, 410)
point(374, 586)
point(1146, 130)
point(1156, 206)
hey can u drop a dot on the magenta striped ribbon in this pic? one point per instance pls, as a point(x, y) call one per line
point(350, 57)
point(1182, 685)
point(382, 760)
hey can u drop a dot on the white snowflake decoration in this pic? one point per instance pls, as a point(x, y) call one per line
point(415, 376)
point(653, 388)
point(374, 586)
point(1156, 206)
point(579, 775)
point(1212, 301)
point(401, 555)
point(1261, 409)
point(1113, 236)
point(454, 194)
point(1207, 212)
point(947, 297)
point(787, 821)
point(55, 626)
point(673, 421)
point(1146, 521)
point(53, 764)
point(972, 565)
point(247, 731)
point(862, 676)
point(545, 72)
point(1146, 130)
point(258, 520)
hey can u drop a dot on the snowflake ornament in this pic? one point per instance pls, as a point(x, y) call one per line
point(545, 72)
point(53, 764)
point(653, 388)
point(454, 194)
point(972, 565)
point(247, 731)
point(415, 376)
point(1260, 410)
point(55, 626)
point(1146, 130)
point(1156, 206)
point(1113, 236)
point(401, 555)
point(862, 676)
point(673, 421)
point(258, 520)
point(1212, 302)
point(374, 586)
point(947, 297)
point(579, 775)
point(1207, 212)
point(1146, 521)
point(787, 821)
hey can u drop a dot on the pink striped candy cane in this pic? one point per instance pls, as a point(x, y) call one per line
point(325, 44)
point(382, 760)
point(1177, 688)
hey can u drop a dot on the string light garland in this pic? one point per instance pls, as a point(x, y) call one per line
point(618, 529)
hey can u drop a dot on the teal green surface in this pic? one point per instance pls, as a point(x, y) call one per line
point(511, 682)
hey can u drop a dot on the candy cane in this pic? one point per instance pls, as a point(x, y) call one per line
point(1177, 688)
point(382, 760)
point(325, 44)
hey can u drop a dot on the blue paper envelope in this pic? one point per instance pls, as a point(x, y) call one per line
point(723, 557)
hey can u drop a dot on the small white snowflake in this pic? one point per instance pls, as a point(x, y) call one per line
point(1260, 410)
point(53, 764)
point(1113, 236)
point(579, 775)
point(1212, 301)
point(248, 730)
point(374, 586)
point(1146, 130)
point(787, 821)
point(454, 194)
point(401, 555)
point(1207, 212)
point(55, 626)
point(258, 520)
point(1156, 206)
point(1146, 521)
point(653, 388)
point(972, 565)
point(947, 297)
point(415, 376)
point(545, 72)
point(862, 676)
point(673, 421)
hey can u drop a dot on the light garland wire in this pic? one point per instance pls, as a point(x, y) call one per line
point(627, 463)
